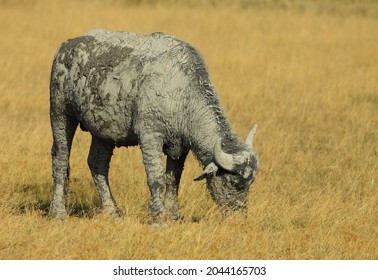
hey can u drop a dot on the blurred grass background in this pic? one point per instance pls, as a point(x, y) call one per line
point(305, 71)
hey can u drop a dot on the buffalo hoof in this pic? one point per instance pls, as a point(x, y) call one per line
point(159, 225)
point(57, 211)
point(112, 212)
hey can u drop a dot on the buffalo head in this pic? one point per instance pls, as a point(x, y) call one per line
point(230, 176)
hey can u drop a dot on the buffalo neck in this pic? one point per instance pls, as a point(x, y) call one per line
point(206, 126)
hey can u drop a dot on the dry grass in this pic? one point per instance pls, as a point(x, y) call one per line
point(308, 78)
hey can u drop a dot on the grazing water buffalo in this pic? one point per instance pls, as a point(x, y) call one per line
point(153, 90)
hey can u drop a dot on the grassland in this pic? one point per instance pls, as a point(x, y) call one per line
point(306, 72)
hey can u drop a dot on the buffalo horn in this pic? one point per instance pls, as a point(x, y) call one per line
point(226, 161)
point(251, 135)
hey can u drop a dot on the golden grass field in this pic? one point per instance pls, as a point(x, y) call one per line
point(306, 72)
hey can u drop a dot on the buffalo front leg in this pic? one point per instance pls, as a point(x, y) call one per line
point(152, 150)
point(98, 160)
point(63, 128)
point(173, 175)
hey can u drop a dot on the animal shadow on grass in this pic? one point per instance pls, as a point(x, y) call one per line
point(34, 198)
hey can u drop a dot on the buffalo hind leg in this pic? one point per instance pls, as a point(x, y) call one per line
point(98, 160)
point(173, 175)
point(63, 128)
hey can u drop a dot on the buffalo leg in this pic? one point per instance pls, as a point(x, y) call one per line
point(173, 175)
point(98, 160)
point(152, 150)
point(63, 128)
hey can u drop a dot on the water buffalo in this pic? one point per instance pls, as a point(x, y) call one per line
point(152, 90)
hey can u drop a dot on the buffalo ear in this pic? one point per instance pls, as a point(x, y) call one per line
point(200, 177)
point(210, 169)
